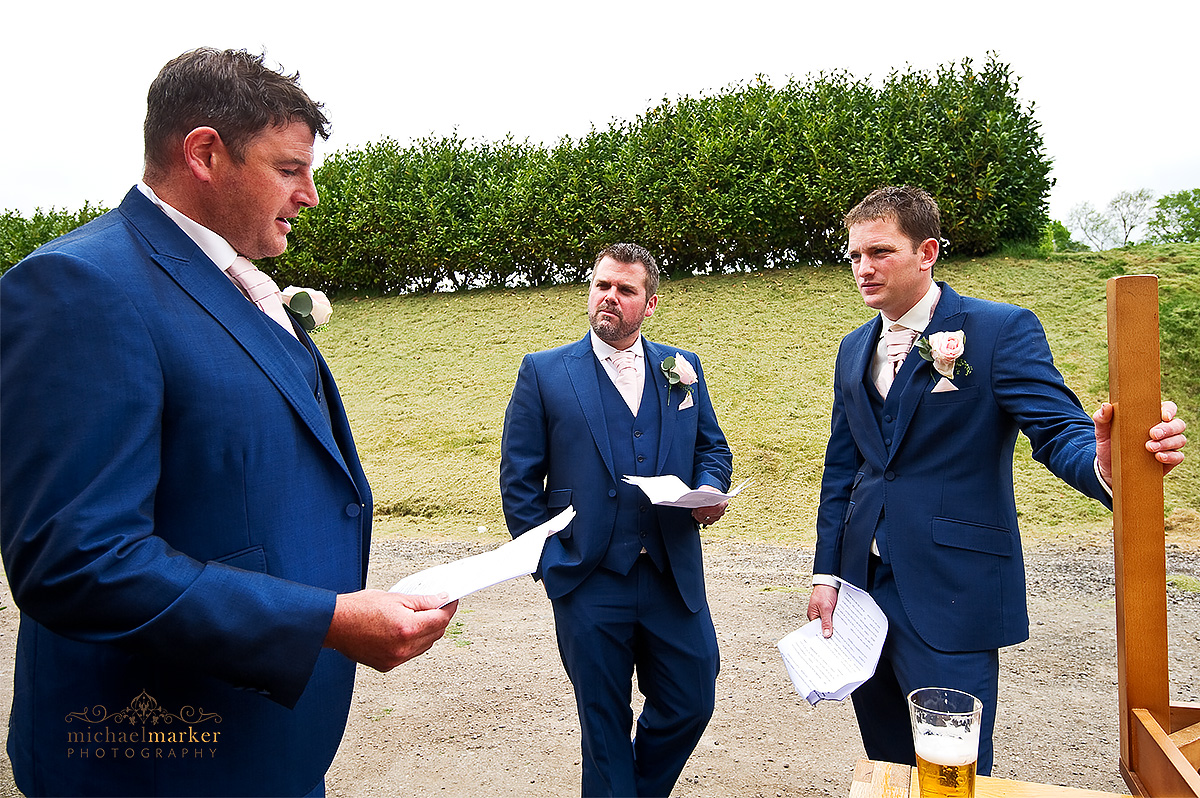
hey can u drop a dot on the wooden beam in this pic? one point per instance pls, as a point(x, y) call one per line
point(1135, 390)
point(881, 780)
point(1161, 768)
point(1183, 714)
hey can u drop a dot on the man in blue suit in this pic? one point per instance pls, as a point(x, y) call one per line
point(184, 517)
point(916, 498)
point(625, 578)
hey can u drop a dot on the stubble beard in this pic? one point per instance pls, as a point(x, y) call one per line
point(612, 332)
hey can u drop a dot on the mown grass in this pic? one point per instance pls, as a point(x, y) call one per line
point(426, 379)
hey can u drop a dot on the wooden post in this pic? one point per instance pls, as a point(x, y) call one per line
point(1135, 388)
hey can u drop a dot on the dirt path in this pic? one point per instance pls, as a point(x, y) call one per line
point(489, 712)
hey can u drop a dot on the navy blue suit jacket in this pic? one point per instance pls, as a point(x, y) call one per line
point(177, 517)
point(942, 477)
point(556, 452)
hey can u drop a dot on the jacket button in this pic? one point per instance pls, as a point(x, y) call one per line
point(887, 419)
point(641, 458)
point(353, 510)
point(612, 493)
point(889, 475)
point(637, 433)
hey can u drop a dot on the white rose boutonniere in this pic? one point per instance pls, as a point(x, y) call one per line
point(310, 307)
point(679, 372)
point(944, 350)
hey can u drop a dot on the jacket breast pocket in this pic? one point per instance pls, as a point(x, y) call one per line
point(967, 394)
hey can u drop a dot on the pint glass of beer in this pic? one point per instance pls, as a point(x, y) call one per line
point(945, 726)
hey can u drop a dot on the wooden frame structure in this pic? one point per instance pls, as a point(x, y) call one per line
point(1160, 740)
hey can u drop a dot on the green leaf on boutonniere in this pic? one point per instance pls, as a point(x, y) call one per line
point(301, 304)
point(668, 370)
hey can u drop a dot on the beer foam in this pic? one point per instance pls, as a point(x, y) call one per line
point(946, 749)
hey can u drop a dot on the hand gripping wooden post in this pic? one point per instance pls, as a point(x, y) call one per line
point(1160, 741)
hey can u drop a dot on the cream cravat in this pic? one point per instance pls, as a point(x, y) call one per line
point(262, 291)
point(627, 381)
point(899, 341)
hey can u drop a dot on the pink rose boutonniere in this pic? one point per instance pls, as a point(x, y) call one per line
point(679, 372)
point(310, 307)
point(944, 350)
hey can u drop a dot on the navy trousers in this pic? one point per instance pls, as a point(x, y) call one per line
point(608, 628)
point(908, 663)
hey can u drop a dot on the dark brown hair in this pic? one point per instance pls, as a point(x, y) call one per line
point(231, 91)
point(913, 209)
point(630, 254)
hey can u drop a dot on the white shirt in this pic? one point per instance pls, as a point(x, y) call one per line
point(604, 350)
point(917, 318)
point(211, 244)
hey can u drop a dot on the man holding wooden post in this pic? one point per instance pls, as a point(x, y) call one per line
point(917, 503)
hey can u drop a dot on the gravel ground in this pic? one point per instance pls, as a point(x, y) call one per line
point(489, 711)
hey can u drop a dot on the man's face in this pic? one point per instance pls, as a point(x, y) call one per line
point(617, 302)
point(253, 201)
point(890, 276)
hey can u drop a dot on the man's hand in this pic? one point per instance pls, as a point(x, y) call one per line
point(820, 605)
point(711, 514)
point(385, 629)
point(1166, 439)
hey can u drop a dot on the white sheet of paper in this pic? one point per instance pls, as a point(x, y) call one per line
point(669, 490)
point(832, 668)
point(518, 557)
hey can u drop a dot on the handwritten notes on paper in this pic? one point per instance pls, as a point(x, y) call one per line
point(831, 668)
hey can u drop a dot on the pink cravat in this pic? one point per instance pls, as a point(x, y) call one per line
point(262, 291)
point(899, 341)
point(627, 378)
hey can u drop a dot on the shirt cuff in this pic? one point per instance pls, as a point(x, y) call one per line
point(1103, 484)
point(825, 579)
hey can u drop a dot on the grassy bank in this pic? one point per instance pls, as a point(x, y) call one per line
point(426, 379)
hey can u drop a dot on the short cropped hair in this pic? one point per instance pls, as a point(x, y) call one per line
point(630, 254)
point(231, 91)
point(913, 209)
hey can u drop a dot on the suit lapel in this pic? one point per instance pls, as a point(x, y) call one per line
point(203, 280)
point(855, 375)
point(655, 354)
point(917, 377)
point(580, 363)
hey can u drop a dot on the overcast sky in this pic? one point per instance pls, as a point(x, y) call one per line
point(1115, 90)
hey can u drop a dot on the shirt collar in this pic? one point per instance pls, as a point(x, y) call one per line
point(211, 244)
point(605, 350)
point(919, 315)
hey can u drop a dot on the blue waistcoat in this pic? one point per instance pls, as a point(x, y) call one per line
point(635, 451)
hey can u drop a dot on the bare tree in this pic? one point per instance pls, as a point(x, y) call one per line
point(1129, 210)
point(1096, 228)
point(1125, 213)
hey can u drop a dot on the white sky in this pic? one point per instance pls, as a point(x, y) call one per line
point(1115, 85)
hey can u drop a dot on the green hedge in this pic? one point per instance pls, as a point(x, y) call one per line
point(748, 177)
point(752, 176)
point(20, 236)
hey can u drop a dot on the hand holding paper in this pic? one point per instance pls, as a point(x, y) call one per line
point(669, 490)
point(823, 668)
point(519, 557)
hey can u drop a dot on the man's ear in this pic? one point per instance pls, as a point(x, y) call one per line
point(202, 150)
point(651, 304)
point(929, 253)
